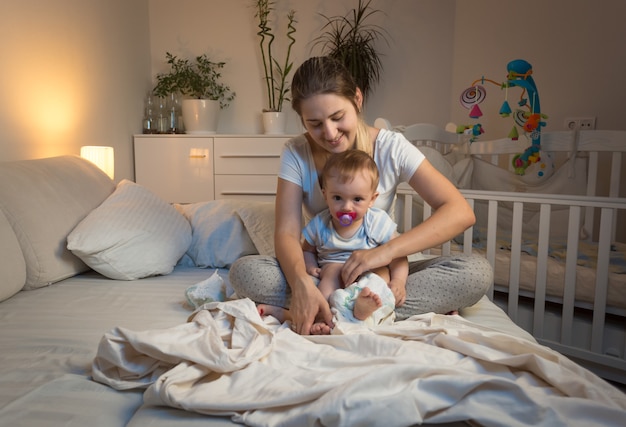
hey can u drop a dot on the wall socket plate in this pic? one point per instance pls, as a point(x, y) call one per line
point(580, 123)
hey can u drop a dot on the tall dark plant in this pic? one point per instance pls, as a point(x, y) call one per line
point(275, 73)
point(352, 40)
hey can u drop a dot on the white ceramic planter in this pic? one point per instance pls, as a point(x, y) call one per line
point(274, 123)
point(200, 116)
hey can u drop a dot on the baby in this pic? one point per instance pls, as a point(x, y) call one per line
point(349, 182)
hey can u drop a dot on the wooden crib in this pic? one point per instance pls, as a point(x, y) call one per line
point(569, 289)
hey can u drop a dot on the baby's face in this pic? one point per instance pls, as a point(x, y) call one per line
point(353, 197)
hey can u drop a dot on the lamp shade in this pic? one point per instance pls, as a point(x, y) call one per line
point(101, 156)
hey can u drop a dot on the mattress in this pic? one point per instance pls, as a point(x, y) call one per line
point(50, 337)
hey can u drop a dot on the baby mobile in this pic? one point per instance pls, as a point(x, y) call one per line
point(530, 120)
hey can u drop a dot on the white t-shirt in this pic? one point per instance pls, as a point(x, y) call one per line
point(377, 228)
point(397, 160)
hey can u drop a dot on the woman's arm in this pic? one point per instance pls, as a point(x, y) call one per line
point(451, 216)
point(451, 213)
point(307, 302)
point(310, 259)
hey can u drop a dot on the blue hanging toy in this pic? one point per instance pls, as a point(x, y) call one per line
point(519, 75)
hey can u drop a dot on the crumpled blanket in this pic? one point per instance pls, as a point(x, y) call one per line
point(229, 361)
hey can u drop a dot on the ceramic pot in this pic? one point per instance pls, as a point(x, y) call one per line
point(200, 116)
point(274, 122)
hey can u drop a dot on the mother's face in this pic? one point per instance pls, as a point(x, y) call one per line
point(331, 121)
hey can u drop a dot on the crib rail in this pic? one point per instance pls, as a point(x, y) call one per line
point(600, 351)
point(598, 146)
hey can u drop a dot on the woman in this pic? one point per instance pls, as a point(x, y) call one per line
point(329, 104)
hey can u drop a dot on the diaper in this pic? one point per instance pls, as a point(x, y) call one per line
point(342, 301)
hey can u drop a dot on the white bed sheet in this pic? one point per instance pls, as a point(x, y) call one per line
point(49, 339)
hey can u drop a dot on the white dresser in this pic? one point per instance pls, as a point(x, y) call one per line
point(194, 168)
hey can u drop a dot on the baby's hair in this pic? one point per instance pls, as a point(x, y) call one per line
point(345, 165)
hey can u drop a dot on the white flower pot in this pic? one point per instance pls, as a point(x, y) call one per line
point(274, 122)
point(200, 116)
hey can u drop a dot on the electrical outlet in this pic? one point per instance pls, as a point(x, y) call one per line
point(580, 123)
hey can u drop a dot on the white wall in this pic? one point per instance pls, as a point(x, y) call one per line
point(417, 63)
point(576, 48)
point(73, 73)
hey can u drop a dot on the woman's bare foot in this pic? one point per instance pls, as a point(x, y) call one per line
point(366, 303)
point(320, 328)
point(281, 314)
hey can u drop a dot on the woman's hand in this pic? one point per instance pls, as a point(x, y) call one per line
point(308, 306)
point(362, 261)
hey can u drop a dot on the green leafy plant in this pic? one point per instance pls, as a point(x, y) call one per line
point(199, 79)
point(352, 41)
point(275, 72)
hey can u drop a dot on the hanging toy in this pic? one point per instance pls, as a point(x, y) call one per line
point(505, 110)
point(476, 131)
point(346, 218)
point(519, 117)
point(475, 112)
point(533, 121)
point(472, 96)
point(519, 74)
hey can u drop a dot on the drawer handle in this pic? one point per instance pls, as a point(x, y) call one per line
point(248, 193)
point(254, 156)
point(198, 156)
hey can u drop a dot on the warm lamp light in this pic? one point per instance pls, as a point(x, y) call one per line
point(103, 157)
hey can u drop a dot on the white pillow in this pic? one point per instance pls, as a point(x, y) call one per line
point(12, 263)
point(259, 222)
point(43, 200)
point(219, 237)
point(131, 235)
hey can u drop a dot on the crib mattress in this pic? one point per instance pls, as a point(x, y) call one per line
point(555, 280)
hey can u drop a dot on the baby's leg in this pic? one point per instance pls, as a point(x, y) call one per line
point(330, 278)
point(281, 314)
point(367, 302)
point(330, 281)
point(383, 272)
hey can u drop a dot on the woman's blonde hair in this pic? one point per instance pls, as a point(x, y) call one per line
point(325, 75)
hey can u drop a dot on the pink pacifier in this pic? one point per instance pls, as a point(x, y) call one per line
point(346, 218)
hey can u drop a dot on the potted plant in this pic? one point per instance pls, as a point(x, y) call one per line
point(351, 40)
point(200, 82)
point(275, 72)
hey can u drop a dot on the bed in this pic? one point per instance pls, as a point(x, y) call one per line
point(116, 310)
point(559, 271)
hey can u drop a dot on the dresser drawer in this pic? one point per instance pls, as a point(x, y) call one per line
point(248, 156)
point(178, 169)
point(248, 187)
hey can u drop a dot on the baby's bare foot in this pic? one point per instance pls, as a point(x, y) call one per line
point(366, 303)
point(279, 313)
point(320, 328)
